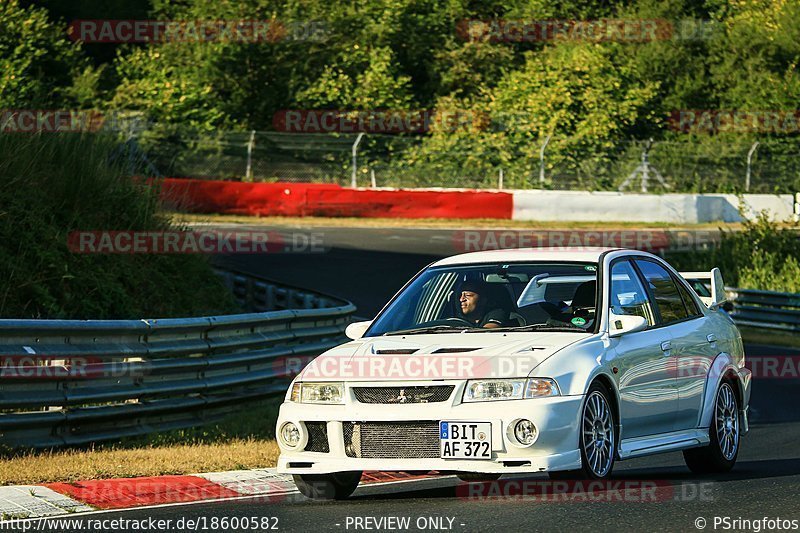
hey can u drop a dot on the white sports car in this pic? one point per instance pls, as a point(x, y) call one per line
point(518, 361)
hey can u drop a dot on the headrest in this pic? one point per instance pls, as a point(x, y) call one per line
point(585, 295)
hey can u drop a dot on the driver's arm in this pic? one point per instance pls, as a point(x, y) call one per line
point(494, 319)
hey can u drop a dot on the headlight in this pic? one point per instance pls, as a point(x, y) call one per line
point(317, 393)
point(487, 390)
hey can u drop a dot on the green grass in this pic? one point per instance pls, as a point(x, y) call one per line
point(244, 440)
point(54, 184)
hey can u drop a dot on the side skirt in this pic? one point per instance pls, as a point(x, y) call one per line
point(665, 442)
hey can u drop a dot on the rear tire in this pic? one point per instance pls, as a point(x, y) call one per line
point(721, 453)
point(336, 486)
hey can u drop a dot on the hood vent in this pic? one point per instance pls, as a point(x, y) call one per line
point(455, 350)
point(397, 351)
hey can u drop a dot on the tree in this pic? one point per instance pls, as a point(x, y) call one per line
point(37, 61)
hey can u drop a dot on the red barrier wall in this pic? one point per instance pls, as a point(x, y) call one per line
point(314, 199)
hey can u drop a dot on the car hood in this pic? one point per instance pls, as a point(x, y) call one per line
point(438, 356)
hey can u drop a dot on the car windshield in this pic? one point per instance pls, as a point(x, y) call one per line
point(495, 297)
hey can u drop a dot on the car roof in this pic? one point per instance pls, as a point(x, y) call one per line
point(582, 254)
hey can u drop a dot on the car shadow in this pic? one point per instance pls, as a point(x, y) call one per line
point(672, 475)
point(744, 470)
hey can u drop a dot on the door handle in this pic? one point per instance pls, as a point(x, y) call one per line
point(711, 338)
point(666, 346)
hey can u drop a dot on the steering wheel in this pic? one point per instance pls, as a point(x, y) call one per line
point(454, 320)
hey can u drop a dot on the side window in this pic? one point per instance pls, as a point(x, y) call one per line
point(628, 296)
point(688, 301)
point(665, 292)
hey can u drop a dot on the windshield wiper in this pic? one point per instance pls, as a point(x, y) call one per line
point(534, 327)
point(429, 329)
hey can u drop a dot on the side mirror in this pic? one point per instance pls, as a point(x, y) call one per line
point(718, 296)
point(622, 324)
point(356, 330)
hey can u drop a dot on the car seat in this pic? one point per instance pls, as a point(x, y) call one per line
point(582, 306)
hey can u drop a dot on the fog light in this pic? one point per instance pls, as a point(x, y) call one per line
point(525, 432)
point(290, 434)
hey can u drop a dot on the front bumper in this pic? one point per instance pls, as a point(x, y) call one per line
point(556, 447)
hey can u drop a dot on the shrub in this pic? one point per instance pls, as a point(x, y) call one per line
point(53, 184)
point(764, 255)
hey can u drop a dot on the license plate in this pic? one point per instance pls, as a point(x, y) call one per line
point(465, 440)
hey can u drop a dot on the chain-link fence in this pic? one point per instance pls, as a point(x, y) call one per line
point(687, 164)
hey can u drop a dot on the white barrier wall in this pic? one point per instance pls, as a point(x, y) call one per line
point(669, 208)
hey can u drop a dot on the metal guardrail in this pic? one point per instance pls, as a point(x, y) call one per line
point(71, 382)
point(765, 309)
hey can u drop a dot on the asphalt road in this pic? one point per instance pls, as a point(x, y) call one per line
point(647, 494)
point(364, 265)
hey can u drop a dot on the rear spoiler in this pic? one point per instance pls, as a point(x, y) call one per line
point(718, 296)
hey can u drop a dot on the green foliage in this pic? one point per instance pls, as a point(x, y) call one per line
point(37, 61)
point(596, 99)
point(764, 255)
point(362, 79)
point(754, 56)
point(52, 185)
point(770, 272)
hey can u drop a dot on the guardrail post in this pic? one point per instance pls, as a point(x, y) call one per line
point(749, 161)
point(354, 177)
point(541, 159)
point(250, 145)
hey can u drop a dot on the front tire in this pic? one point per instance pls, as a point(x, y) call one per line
point(337, 486)
point(721, 453)
point(597, 437)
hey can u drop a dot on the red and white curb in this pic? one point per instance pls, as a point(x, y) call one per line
point(54, 499)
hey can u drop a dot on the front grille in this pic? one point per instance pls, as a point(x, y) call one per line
point(392, 440)
point(402, 395)
point(317, 437)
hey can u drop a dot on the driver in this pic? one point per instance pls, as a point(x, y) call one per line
point(474, 302)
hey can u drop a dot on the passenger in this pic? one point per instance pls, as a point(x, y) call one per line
point(475, 307)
